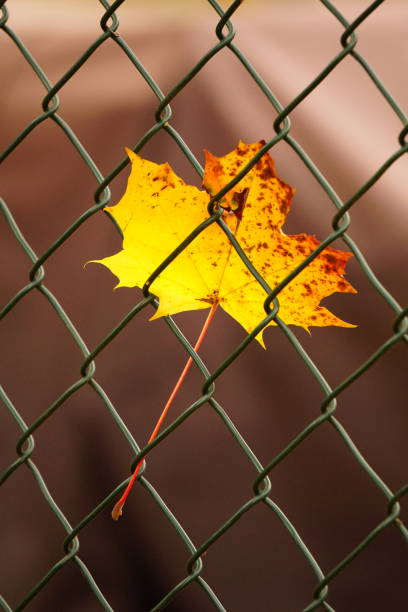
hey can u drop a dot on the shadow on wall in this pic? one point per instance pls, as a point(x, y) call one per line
point(201, 473)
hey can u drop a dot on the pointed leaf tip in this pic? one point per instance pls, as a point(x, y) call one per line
point(131, 154)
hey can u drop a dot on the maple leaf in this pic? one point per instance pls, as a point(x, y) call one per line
point(158, 211)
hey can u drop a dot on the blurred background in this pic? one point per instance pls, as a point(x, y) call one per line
point(349, 131)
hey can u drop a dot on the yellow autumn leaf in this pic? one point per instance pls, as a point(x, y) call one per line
point(158, 211)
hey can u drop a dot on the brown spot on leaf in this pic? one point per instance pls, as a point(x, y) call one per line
point(283, 207)
point(212, 298)
point(330, 258)
point(267, 173)
point(239, 199)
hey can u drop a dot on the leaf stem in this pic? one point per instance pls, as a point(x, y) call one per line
point(117, 510)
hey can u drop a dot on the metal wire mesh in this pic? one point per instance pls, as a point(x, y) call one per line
point(261, 494)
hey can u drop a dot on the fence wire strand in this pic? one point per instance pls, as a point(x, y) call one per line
point(161, 121)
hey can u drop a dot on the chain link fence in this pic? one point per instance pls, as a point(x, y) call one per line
point(205, 393)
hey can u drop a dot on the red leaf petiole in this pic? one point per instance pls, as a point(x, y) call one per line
point(117, 510)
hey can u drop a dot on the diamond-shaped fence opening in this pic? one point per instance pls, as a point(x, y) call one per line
point(278, 481)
